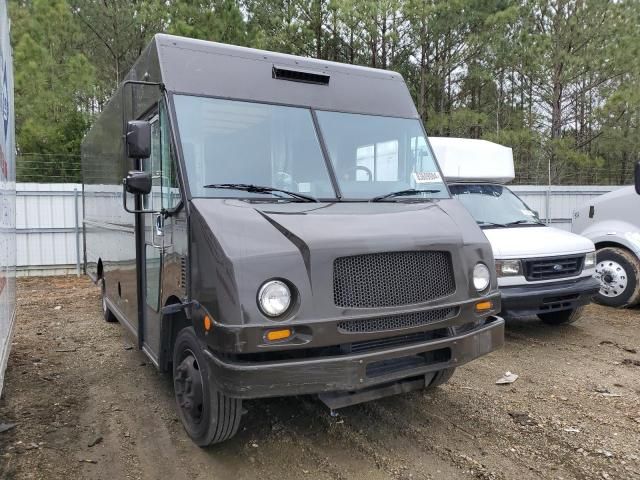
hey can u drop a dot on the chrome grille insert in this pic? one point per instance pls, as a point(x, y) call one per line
point(555, 267)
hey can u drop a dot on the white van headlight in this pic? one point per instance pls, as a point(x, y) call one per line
point(274, 298)
point(508, 268)
point(481, 277)
point(590, 260)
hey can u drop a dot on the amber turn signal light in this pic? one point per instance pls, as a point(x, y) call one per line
point(484, 306)
point(274, 335)
point(207, 323)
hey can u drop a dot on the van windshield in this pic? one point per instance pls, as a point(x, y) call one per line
point(244, 149)
point(374, 156)
point(494, 206)
point(229, 142)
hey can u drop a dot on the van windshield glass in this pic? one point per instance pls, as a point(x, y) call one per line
point(381, 158)
point(494, 206)
point(227, 142)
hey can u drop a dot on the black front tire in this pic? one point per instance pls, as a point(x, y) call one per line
point(208, 416)
point(563, 317)
point(107, 314)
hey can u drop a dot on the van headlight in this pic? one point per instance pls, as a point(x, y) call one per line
point(508, 268)
point(274, 298)
point(590, 260)
point(481, 277)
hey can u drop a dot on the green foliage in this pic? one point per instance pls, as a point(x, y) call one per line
point(557, 80)
point(53, 82)
point(216, 20)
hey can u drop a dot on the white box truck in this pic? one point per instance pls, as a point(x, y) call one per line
point(541, 270)
point(7, 196)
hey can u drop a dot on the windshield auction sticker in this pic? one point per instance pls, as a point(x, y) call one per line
point(427, 177)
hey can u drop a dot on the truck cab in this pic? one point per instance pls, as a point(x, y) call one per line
point(282, 228)
point(541, 270)
point(612, 222)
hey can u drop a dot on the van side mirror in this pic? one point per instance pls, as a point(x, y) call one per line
point(138, 182)
point(138, 139)
point(636, 177)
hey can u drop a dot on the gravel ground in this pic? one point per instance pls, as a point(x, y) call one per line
point(86, 404)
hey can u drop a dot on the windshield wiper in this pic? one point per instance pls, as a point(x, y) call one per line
point(509, 224)
point(492, 224)
point(402, 193)
point(523, 222)
point(260, 189)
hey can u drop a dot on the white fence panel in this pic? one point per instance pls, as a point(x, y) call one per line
point(46, 227)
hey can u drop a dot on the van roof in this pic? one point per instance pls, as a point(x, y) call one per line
point(199, 67)
point(471, 160)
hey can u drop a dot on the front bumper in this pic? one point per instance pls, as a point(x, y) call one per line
point(351, 372)
point(519, 301)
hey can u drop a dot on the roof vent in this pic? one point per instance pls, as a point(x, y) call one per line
point(304, 76)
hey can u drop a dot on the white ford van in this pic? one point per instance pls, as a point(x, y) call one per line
point(542, 271)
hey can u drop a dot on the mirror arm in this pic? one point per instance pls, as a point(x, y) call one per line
point(160, 86)
point(126, 208)
point(170, 212)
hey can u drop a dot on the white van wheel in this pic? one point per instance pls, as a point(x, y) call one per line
point(563, 317)
point(613, 278)
point(618, 271)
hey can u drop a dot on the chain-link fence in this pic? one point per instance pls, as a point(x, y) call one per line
point(574, 176)
point(48, 168)
point(65, 168)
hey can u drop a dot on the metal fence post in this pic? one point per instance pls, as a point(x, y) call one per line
point(547, 206)
point(77, 230)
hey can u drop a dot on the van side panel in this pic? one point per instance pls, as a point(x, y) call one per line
point(110, 252)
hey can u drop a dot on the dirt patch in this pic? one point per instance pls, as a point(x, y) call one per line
point(88, 405)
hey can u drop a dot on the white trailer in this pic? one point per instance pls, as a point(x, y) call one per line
point(7, 195)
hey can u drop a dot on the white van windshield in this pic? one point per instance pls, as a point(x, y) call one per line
point(494, 205)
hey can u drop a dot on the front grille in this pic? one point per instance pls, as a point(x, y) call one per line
point(550, 268)
point(392, 278)
point(396, 322)
point(390, 342)
point(395, 365)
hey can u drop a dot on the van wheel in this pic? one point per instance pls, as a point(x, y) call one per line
point(562, 317)
point(618, 271)
point(207, 415)
point(106, 313)
point(441, 377)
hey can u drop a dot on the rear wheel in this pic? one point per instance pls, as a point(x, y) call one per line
point(562, 317)
point(106, 313)
point(441, 377)
point(207, 415)
point(619, 272)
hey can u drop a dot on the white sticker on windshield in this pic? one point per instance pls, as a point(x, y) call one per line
point(427, 177)
point(304, 187)
point(528, 213)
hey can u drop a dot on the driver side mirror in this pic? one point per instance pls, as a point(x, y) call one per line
point(138, 139)
point(138, 182)
point(636, 177)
